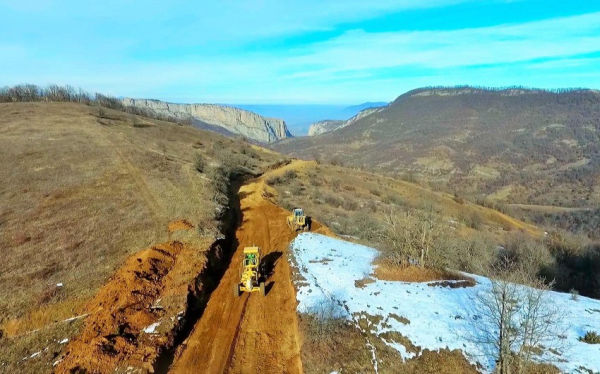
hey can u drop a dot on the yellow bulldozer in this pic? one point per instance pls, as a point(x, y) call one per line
point(251, 273)
point(298, 220)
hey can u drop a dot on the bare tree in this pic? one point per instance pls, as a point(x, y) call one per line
point(512, 321)
point(413, 235)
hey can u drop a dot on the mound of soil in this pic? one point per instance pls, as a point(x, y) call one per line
point(125, 317)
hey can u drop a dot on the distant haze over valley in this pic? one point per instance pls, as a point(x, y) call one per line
point(299, 117)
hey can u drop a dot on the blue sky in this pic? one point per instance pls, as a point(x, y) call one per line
point(307, 51)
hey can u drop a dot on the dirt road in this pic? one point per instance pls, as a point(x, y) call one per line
point(251, 333)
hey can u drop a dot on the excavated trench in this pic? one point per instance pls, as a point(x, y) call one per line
point(217, 332)
point(218, 258)
point(124, 315)
point(251, 333)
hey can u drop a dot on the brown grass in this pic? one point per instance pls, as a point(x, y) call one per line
point(82, 195)
point(344, 349)
point(342, 197)
point(415, 274)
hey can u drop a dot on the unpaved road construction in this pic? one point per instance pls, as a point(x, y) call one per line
point(251, 333)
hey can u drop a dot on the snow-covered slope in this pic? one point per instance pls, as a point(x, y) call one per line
point(432, 317)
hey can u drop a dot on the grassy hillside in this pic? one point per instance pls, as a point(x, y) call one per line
point(514, 145)
point(412, 224)
point(373, 209)
point(84, 188)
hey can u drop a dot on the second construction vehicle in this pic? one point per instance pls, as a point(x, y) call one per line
point(298, 220)
point(251, 273)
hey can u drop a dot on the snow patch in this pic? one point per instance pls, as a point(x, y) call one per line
point(432, 317)
point(152, 328)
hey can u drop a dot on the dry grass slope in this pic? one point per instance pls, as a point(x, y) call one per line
point(84, 189)
point(515, 146)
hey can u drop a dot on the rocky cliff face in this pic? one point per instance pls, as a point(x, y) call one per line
point(233, 120)
point(322, 127)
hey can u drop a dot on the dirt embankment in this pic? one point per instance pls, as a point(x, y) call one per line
point(171, 306)
point(146, 306)
point(251, 333)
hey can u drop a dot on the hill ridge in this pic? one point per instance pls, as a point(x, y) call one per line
point(232, 119)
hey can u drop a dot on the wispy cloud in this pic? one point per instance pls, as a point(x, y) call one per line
point(194, 53)
point(357, 49)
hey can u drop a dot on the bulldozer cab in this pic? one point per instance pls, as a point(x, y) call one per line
point(250, 260)
point(298, 221)
point(251, 277)
point(251, 256)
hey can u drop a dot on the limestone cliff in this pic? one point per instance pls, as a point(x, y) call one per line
point(322, 127)
point(233, 120)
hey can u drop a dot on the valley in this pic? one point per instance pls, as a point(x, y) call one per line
point(342, 186)
point(502, 146)
point(135, 247)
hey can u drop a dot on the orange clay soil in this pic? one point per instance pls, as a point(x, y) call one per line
point(181, 224)
point(152, 284)
point(251, 333)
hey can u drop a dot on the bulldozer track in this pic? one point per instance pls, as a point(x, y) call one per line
point(251, 333)
point(237, 334)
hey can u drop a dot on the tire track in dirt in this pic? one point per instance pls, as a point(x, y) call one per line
point(251, 333)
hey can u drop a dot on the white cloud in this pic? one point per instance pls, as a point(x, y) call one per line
point(344, 68)
point(442, 49)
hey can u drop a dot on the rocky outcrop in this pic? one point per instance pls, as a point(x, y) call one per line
point(232, 120)
point(323, 127)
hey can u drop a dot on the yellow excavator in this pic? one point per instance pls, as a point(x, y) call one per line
point(251, 274)
point(298, 220)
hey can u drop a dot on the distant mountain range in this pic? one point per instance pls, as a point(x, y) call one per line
point(299, 117)
point(514, 145)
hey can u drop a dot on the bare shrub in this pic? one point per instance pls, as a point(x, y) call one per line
point(289, 175)
point(349, 204)
point(50, 294)
point(275, 180)
point(394, 200)
point(336, 184)
point(332, 200)
point(199, 163)
point(328, 316)
point(474, 254)
point(525, 254)
point(512, 321)
point(219, 176)
point(56, 93)
point(457, 198)
point(375, 191)
point(416, 237)
point(336, 161)
point(470, 219)
point(590, 337)
point(296, 189)
point(315, 180)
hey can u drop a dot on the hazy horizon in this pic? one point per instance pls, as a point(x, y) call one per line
point(298, 52)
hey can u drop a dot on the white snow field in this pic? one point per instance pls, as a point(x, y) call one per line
point(432, 317)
